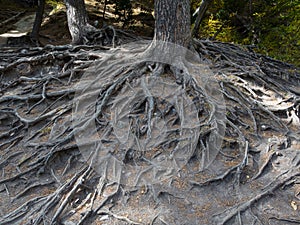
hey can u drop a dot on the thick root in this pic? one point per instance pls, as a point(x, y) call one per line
point(145, 131)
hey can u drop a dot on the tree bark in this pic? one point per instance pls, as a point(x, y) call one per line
point(38, 21)
point(104, 9)
point(173, 21)
point(200, 15)
point(77, 20)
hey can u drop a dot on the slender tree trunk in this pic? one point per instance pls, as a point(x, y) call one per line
point(104, 9)
point(200, 15)
point(77, 20)
point(173, 21)
point(38, 21)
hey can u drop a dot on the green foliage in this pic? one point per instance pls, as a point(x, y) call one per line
point(271, 25)
point(279, 29)
point(55, 4)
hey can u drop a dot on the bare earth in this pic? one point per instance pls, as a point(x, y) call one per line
point(254, 179)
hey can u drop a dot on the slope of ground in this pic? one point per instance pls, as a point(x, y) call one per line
point(254, 179)
point(45, 179)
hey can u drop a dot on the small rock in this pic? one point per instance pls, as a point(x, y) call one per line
point(68, 223)
point(106, 217)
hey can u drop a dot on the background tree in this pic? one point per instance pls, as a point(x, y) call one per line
point(77, 20)
point(201, 10)
point(38, 21)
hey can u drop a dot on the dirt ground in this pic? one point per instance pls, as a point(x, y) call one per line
point(54, 29)
point(255, 178)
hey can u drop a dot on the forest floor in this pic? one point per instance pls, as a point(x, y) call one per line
point(55, 28)
point(45, 179)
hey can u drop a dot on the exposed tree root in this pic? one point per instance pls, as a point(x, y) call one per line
point(148, 130)
point(269, 189)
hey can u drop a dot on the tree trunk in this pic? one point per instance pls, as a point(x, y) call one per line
point(203, 8)
point(77, 20)
point(173, 21)
point(38, 21)
point(104, 9)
